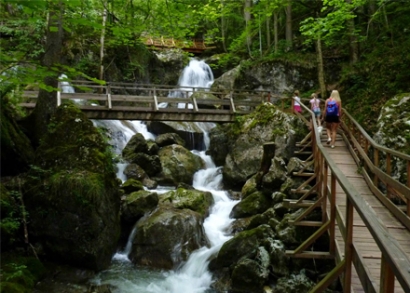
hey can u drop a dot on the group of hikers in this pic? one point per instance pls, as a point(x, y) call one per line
point(331, 114)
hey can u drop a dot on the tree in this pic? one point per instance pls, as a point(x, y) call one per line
point(47, 103)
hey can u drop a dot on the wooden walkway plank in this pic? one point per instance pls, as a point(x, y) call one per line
point(362, 238)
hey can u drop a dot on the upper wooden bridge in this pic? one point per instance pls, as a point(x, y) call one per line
point(365, 212)
point(192, 46)
point(159, 102)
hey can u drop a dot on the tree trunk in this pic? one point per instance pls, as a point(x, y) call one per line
point(268, 39)
point(47, 100)
point(320, 69)
point(289, 35)
point(223, 29)
point(247, 16)
point(353, 44)
point(275, 30)
point(104, 20)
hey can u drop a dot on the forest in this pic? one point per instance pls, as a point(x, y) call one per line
point(366, 40)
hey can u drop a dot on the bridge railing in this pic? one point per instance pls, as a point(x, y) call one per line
point(125, 97)
point(395, 263)
point(379, 165)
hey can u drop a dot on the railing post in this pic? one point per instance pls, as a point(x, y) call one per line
point(59, 94)
point(376, 164)
point(348, 246)
point(388, 172)
point(332, 247)
point(386, 277)
point(408, 184)
point(155, 100)
point(109, 97)
point(233, 110)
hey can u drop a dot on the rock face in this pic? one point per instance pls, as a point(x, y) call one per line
point(16, 150)
point(72, 194)
point(394, 132)
point(245, 139)
point(166, 238)
point(191, 133)
point(276, 77)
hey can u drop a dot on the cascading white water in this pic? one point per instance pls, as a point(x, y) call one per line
point(193, 276)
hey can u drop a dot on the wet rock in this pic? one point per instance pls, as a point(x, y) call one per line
point(196, 200)
point(169, 139)
point(72, 194)
point(166, 238)
point(136, 204)
point(178, 165)
point(255, 203)
point(137, 144)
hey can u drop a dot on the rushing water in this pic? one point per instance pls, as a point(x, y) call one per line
point(193, 276)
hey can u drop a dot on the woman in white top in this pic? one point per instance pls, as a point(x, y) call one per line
point(296, 102)
point(315, 106)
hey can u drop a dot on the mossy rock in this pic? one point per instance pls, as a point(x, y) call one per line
point(73, 194)
point(16, 150)
point(72, 142)
point(256, 203)
point(196, 200)
point(132, 185)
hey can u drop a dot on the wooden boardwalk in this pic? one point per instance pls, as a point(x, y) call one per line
point(362, 239)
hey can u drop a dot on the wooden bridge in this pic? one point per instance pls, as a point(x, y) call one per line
point(192, 46)
point(365, 211)
point(159, 102)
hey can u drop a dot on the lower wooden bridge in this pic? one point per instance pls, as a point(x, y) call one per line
point(365, 211)
point(125, 101)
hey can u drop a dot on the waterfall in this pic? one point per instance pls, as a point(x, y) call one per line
point(193, 276)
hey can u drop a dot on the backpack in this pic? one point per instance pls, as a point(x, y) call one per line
point(332, 108)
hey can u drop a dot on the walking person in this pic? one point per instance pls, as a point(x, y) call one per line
point(333, 112)
point(315, 107)
point(296, 102)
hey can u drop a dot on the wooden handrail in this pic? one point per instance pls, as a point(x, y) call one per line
point(369, 153)
point(394, 259)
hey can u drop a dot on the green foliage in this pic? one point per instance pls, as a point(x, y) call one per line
point(86, 187)
point(20, 274)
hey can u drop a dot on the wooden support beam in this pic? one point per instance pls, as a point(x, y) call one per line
point(322, 285)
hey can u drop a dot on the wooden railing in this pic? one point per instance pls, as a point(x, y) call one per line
point(194, 45)
point(395, 262)
point(157, 102)
point(369, 155)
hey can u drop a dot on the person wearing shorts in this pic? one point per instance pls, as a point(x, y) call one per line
point(296, 102)
point(333, 121)
point(315, 107)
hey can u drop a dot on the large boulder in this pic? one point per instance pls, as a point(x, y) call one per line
point(256, 203)
point(248, 259)
point(166, 238)
point(137, 203)
point(178, 165)
point(72, 194)
point(16, 150)
point(247, 137)
point(196, 200)
point(191, 133)
point(137, 144)
point(394, 132)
